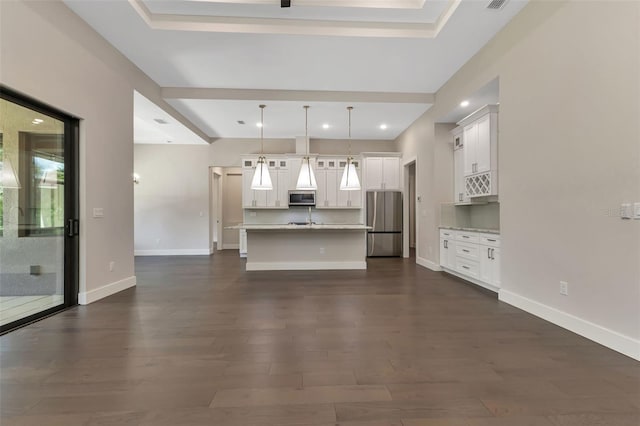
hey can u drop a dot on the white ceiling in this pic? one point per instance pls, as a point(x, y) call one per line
point(489, 94)
point(147, 130)
point(195, 56)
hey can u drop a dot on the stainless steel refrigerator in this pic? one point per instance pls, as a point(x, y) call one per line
point(384, 214)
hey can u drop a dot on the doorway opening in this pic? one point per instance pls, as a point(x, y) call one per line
point(411, 198)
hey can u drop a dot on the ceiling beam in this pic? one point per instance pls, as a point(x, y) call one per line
point(296, 95)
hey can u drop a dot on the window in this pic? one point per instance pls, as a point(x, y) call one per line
point(42, 197)
point(1, 190)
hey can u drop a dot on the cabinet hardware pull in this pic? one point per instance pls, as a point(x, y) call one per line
point(488, 253)
point(465, 236)
point(489, 239)
point(465, 250)
point(465, 267)
point(492, 258)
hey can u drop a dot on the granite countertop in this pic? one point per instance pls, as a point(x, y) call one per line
point(292, 227)
point(485, 231)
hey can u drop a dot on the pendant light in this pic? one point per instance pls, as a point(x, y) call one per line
point(350, 181)
point(306, 177)
point(261, 178)
point(9, 176)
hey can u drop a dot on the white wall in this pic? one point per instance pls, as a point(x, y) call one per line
point(172, 199)
point(77, 71)
point(568, 155)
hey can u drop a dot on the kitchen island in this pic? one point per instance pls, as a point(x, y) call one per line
point(305, 247)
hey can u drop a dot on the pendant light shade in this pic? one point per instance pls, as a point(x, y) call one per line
point(9, 176)
point(350, 180)
point(306, 177)
point(261, 178)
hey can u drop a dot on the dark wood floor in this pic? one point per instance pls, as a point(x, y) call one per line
point(201, 342)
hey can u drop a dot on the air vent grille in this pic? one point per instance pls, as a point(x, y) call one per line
point(496, 4)
point(160, 121)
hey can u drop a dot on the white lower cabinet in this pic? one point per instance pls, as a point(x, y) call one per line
point(243, 243)
point(447, 249)
point(473, 256)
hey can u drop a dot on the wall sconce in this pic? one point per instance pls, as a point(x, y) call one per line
point(136, 178)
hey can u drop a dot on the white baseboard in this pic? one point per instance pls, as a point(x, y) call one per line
point(230, 246)
point(609, 338)
point(173, 252)
point(472, 280)
point(86, 297)
point(428, 264)
point(303, 266)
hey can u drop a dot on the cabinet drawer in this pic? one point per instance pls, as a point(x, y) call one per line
point(490, 240)
point(467, 267)
point(447, 234)
point(468, 251)
point(468, 237)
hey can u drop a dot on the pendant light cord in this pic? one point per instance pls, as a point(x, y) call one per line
point(262, 129)
point(306, 127)
point(349, 108)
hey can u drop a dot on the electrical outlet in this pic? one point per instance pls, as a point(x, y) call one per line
point(636, 210)
point(321, 250)
point(253, 214)
point(112, 266)
point(157, 241)
point(564, 288)
point(626, 211)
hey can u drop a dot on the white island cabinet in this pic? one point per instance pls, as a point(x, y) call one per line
point(305, 247)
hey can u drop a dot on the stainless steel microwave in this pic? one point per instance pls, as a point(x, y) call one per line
point(302, 198)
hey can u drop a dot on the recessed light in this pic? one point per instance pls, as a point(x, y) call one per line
point(259, 124)
point(464, 104)
point(383, 127)
point(325, 126)
point(37, 121)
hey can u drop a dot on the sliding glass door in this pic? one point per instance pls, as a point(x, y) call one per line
point(38, 210)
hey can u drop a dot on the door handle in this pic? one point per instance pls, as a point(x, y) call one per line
point(73, 227)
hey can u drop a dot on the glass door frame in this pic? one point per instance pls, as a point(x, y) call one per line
point(71, 204)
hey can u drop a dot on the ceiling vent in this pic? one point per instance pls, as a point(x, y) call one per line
point(160, 121)
point(496, 4)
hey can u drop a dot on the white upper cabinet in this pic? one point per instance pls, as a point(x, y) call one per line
point(459, 193)
point(480, 137)
point(278, 197)
point(329, 196)
point(284, 176)
point(382, 173)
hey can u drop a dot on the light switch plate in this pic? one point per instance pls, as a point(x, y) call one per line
point(98, 212)
point(626, 211)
